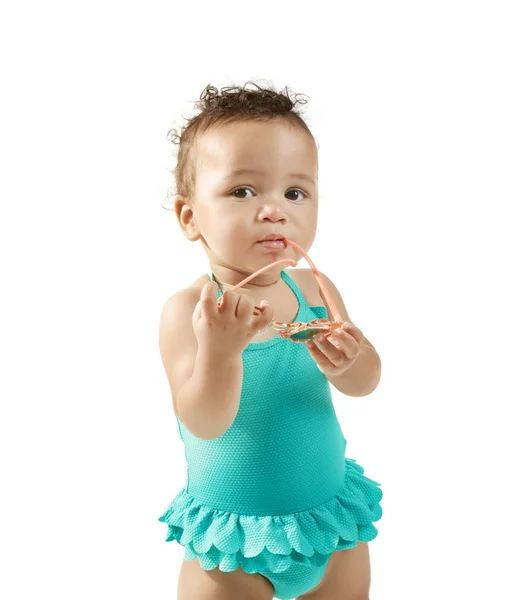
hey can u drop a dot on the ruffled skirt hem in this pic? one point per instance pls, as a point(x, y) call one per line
point(272, 543)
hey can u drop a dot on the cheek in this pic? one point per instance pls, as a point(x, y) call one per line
point(306, 225)
point(228, 233)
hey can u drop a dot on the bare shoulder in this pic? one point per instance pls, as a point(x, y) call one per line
point(186, 294)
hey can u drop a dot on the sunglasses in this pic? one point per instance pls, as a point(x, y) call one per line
point(299, 332)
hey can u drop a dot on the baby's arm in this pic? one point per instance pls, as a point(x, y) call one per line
point(205, 389)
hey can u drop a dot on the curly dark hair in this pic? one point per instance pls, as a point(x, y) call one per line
point(229, 104)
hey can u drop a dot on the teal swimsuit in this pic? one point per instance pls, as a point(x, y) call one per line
point(275, 493)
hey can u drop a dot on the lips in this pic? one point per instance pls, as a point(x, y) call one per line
point(274, 243)
point(273, 237)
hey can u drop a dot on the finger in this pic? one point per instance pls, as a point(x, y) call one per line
point(208, 300)
point(352, 330)
point(230, 303)
point(197, 311)
point(320, 358)
point(331, 348)
point(266, 316)
point(261, 320)
point(244, 309)
point(258, 310)
point(344, 341)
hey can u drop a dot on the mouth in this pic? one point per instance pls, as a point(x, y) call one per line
point(273, 243)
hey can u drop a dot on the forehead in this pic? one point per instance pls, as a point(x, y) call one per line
point(262, 145)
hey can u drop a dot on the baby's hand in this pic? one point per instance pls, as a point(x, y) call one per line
point(227, 329)
point(339, 350)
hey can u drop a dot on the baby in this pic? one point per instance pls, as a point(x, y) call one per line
point(272, 508)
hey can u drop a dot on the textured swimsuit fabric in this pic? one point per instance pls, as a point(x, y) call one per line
point(276, 488)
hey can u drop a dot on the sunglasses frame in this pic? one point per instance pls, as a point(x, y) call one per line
point(308, 330)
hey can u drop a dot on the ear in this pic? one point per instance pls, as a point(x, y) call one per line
point(186, 218)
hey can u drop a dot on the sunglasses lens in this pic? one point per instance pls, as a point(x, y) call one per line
point(307, 334)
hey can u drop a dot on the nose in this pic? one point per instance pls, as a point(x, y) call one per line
point(271, 211)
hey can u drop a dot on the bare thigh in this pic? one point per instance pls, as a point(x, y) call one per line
point(347, 576)
point(195, 583)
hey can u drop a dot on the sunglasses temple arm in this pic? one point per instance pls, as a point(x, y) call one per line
point(332, 306)
point(290, 261)
point(247, 279)
point(330, 302)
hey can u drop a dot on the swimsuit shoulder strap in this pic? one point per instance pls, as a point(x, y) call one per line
point(212, 278)
point(292, 284)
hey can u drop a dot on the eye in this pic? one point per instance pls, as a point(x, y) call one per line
point(239, 190)
point(296, 190)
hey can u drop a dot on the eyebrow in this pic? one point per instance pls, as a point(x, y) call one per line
point(255, 172)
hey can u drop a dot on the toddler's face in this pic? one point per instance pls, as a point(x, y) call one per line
point(234, 210)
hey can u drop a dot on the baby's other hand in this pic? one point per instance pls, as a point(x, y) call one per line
point(338, 351)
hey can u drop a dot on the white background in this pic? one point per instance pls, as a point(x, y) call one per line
point(407, 102)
